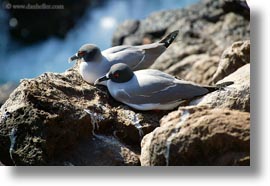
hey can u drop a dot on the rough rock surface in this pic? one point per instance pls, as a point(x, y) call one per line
point(235, 96)
point(201, 67)
point(48, 116)
point(99, 150)
point(233, 58)
point(207, 28)
point(199, 136)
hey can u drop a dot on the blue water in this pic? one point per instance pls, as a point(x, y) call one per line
point(97, 27)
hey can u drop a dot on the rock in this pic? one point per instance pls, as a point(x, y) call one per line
point(152, 28)
point(5, 90)
point(233, 58)
point(235, 96)
point(53, 114)
point(126, 29)
point(41, 112)
point(197, 68)
point(100, 151)
point(238, 7)
point(199, 136)
point(208, 28)
point(132, 125)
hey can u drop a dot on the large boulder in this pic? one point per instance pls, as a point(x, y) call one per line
point(40, 112)
point(199, 136)
point(53, 114)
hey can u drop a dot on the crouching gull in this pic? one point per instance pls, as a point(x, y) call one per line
point(151, 89)
point(93, 63)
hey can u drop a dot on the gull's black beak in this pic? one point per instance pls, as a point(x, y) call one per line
point(103, 78)
point(72, 58)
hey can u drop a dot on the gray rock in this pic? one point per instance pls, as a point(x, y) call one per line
point(126, 29)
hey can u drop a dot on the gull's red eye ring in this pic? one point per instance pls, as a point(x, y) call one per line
point(116, 75)
point(81, 53)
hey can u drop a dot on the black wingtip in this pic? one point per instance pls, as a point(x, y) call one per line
point(225, 84)
point(169, 38)
point(220, 86)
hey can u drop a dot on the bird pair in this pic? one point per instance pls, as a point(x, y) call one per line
point(119, 68)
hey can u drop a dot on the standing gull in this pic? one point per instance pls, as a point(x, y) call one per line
point(151, 89)
point(93, 63)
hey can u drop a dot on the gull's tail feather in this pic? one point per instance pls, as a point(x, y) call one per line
point(169, 38)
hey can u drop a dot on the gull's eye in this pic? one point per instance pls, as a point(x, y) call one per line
point(116, 75)
point(81, 53)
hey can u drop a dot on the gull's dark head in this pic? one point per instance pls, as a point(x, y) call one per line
point(88, 53)
point(118, 73)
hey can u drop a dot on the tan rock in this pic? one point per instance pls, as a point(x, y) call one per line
point(235, 96)
point(197, 68)
point(45, 108)
point(200, 136)
point(52, 114)
point(233, 58)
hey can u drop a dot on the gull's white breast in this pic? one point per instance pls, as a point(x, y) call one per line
point(91, 71)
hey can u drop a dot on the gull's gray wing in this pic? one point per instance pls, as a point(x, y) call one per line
point(115, 49)
point(152, 86)
point(137, 57)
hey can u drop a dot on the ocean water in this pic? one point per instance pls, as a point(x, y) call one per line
point(97, 27)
